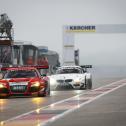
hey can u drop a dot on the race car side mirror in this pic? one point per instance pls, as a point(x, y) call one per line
point(86, 66)
point(43, 75)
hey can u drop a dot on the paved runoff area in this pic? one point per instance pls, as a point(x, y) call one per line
point(104, 106)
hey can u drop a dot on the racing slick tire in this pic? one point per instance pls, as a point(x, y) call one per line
point(48, 92)
point(89, 83)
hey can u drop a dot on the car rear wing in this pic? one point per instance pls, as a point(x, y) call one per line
point(38, 66)
point(34, 66)
point(85, 67)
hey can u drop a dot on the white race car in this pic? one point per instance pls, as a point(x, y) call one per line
point(72, 77)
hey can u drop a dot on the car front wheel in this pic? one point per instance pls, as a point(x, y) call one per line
point(89, 83)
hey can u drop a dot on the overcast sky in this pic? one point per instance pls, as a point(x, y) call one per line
point(41, 21)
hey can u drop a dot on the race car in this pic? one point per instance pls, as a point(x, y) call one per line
point(72, 77)
point(23, 81)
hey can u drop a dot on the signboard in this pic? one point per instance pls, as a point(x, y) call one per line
point(70, 30)
point(83, 28)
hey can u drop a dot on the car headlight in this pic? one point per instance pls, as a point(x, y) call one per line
point(35, 84)
point(2, 85)
point(79, 80)
point(52, 81)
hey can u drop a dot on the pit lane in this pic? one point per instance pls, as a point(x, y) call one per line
point(15, 106)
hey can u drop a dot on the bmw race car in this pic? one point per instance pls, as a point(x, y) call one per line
point(23, 81)
point(72, 77)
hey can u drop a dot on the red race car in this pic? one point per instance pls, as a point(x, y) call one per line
point(23, 81)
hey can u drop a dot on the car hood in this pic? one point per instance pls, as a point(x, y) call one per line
point(67, 76)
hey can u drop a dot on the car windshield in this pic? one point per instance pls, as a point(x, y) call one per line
point(20, 74)
point(67, 71)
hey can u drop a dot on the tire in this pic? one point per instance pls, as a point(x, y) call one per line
point(89, 83)
point(48, 91)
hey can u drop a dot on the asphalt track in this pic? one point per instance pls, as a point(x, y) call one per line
point(13, 108)
point(108, 110)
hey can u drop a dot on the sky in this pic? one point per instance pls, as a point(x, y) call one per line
point(41, 22)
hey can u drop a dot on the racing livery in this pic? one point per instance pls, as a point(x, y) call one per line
point(23, 81)
point(72, 76)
